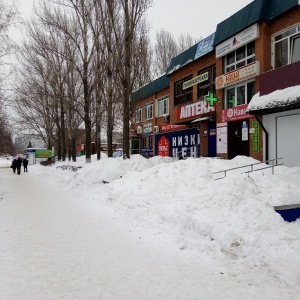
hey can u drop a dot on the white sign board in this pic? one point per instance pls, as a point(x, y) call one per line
point(249, 34)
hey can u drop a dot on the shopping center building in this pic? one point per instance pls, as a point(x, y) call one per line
point(235, 92)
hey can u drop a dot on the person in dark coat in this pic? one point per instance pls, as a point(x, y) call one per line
point(25, 164)
point(14, 165)
point(19, 164)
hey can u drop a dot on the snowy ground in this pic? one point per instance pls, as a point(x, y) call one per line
point(148, 229)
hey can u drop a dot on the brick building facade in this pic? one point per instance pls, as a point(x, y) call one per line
point(254, 52)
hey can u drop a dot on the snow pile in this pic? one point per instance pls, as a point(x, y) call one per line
point(181, 205)
point(277, 98)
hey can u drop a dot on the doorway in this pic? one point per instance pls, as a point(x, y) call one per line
point(238, 138)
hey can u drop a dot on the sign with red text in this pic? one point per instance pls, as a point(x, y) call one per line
point(235, 113)
point(194, 109)
point(238, 75)
point(171, 127)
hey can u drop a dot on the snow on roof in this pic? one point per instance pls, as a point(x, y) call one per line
point(279, 98)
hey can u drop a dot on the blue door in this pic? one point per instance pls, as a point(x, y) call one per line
point(212, 139)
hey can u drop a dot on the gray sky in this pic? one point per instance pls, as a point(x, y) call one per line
point(199, 18)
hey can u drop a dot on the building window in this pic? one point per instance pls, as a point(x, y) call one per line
point(182, 95)
point(208, 85)
point(162, 106)
point(138, 115)
point(287, 47)
point(239, 95)
point(240, 57)
point(149, 111)
point(150, 141)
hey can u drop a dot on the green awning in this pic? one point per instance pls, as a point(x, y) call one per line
point(151, 88)
point(256, 11)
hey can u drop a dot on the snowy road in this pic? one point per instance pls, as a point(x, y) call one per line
point(55, 247)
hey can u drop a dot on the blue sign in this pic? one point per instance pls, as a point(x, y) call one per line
point(205, 46)
point(181, 143)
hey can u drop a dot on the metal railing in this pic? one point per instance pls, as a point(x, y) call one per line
point(272, 161)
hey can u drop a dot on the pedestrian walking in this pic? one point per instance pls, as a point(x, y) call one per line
point(19, 164)
point(25, 164)
point(14, 165)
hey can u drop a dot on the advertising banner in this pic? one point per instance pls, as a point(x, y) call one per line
point(249, 34)
point(222, 139)
point(185, 143)
point(238, 75)
point(235, 113)
point(43, 153)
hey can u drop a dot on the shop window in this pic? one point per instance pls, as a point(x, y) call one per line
point(240, 57)
point(208, 85)
point(182, 95)
point(149, 111)
point(239, 95)
point(138, 115)
point(286, 47)
point(150, 141)
point(162, 107)
point(144, 142)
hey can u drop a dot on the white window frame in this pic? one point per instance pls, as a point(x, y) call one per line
point(149, 111)
point(235, 87)
point(162, 106)
point(241, 62)
point(290, 37)
point(138, 115)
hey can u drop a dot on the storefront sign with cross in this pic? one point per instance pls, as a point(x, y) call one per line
point(211, 99)
point(232, 101)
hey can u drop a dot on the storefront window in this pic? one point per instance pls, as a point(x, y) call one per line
point(240, 57)
point(286, 47)
point(182, 95)
point(239, 95)
point(208, 85)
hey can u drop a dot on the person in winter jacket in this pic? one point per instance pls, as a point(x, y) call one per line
point(19, 164)
point(14, 165)
point(25, 164)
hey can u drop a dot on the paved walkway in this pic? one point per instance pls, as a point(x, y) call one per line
point(52, 247)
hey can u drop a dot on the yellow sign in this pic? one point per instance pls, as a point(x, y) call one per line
point(195, 80)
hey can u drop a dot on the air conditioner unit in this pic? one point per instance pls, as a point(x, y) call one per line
point(166, 118)
point(139, 129)
point(156, 129)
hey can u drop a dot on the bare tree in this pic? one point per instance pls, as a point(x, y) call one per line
point(165, 49)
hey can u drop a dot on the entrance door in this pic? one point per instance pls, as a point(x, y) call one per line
point(212, 139)
point(238, 138)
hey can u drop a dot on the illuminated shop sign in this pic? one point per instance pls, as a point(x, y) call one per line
point(235, 113)
point(205, 46)
point(202, 77)
point(244, 37)
point(238, 75)
point(194, 109)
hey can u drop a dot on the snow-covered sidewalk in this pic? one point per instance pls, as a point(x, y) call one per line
point(156, 231)
point(53, 247)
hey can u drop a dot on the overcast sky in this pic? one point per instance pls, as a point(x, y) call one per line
point(198, 18)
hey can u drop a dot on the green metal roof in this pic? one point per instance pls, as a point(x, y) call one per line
point(256, 11)
point(182, 59)
point(151, 88)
